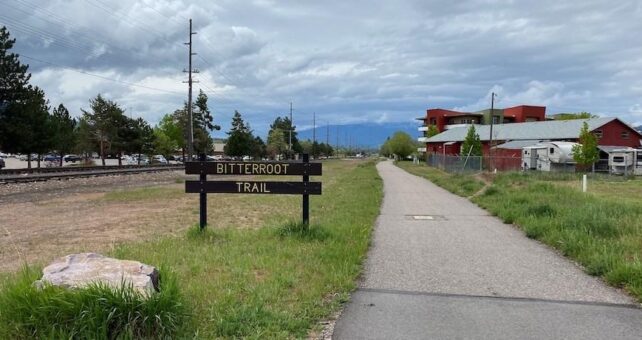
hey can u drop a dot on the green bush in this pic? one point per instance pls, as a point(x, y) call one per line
point(95, 312)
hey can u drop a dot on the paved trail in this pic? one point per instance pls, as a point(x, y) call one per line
point(442, 268)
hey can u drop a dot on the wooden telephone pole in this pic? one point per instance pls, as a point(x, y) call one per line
point(190, 81)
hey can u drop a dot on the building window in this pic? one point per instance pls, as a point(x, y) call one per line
point(551, 150)
point(598, 134)
point(495, 120)
point(624, 135)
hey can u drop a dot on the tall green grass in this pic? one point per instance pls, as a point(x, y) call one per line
point(602, 234)
point(95, 312)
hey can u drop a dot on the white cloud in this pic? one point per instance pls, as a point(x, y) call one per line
point(346, 61)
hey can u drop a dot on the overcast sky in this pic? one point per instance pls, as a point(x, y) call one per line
point(348, 61)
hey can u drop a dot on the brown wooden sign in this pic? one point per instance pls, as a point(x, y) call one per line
point(251, 187)
point(253, 168)
point(305, 188)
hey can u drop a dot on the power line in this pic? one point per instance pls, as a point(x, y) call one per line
point(99, 76)
point(52, 18)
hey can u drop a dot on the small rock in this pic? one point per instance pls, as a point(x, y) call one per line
point(80, 270)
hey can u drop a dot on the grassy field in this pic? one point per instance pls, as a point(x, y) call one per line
point(600, 229)
point(271, 280)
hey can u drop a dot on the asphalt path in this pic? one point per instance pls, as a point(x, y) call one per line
point(442, 268)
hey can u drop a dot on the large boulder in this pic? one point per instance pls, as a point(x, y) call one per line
point(80, 270)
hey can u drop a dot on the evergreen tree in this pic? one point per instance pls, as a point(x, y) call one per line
point(203, 125)
point(64, 131)
point(14, 79)
point(239, 142)
point(473, 141)
point(586, 153)
point(259, 149)
point(85, 144)
point(24, 118)
point(106, 119)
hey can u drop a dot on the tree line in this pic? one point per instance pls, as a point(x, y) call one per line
point(29, 126)
point(282, 141)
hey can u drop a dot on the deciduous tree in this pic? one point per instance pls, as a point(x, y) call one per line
point(586, 153)
point(284, 124)
point(401, 144)
point(276, 144)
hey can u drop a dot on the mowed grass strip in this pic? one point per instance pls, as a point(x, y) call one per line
point(273, 280)
point(601, 229)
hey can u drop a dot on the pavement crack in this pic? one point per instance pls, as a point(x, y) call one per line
point(498, 297)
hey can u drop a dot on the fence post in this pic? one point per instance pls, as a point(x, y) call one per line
point(306, 197)
point(584, 183)
point(203, 194)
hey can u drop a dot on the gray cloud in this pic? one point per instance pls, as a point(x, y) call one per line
point(347, 61)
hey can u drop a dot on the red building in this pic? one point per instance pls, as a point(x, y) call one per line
point(609, 131)
point(445, 119)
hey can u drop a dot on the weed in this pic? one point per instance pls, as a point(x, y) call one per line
point(302, 231)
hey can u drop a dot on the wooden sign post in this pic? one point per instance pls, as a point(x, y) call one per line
point(203, 187)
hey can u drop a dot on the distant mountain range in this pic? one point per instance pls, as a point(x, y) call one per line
point(363, 135)
point(639, 128)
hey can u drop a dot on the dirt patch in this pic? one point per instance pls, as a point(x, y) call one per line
point(42, 221)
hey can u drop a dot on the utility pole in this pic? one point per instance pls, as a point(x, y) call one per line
point(314, 132)
point(190, 118)
point(290, 131)
point(490, 141)
point(327, 133)
point(337, 150)
point(314, 127)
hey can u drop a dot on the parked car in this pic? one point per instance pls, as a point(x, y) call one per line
point(138, 158)
point(72, 158)
point(159, 159)
point(52, 158)
point(2, 165)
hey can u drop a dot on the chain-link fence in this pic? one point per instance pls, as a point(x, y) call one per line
point(472, 164)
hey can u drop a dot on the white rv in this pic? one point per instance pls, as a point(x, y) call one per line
point(549, 156)
point(529, 156)
point(626, 161)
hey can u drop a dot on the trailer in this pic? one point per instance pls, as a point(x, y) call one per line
point(530, 155)
point(625, 161)
point(549, 156)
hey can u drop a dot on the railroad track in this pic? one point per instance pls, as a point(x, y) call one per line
point(29, 175)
